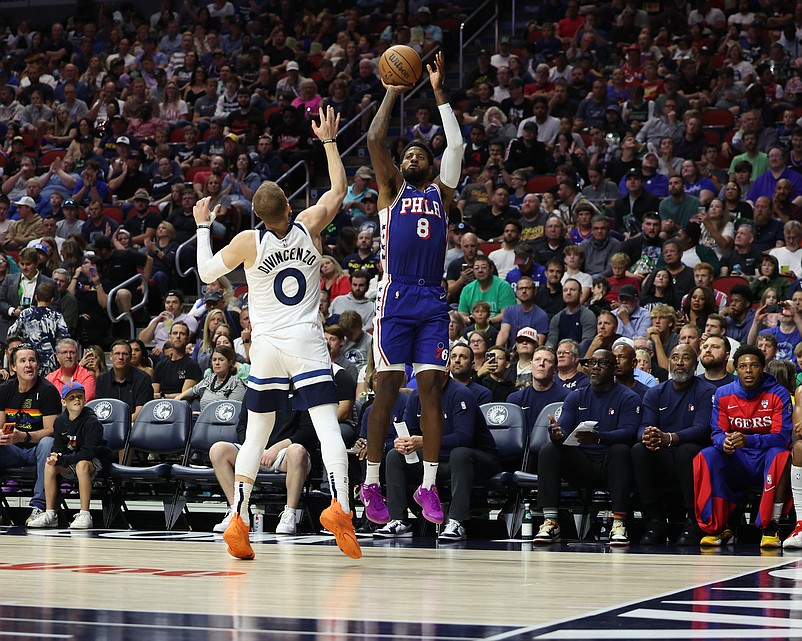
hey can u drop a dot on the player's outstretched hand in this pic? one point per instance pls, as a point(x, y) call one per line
point(436, 70)
point(329, 124)
point(201, 212)
point(395, 88)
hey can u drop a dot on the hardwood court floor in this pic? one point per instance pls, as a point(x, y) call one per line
point(310, 578)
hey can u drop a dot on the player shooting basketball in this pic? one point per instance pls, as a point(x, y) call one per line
point(411, 310)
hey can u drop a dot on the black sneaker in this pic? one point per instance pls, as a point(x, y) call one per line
point(655, 533)
point(691, 534)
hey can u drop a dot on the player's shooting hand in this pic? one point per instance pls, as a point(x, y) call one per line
point(329, 124)
point(202, 213)
point(395, 88)
point(436, 70)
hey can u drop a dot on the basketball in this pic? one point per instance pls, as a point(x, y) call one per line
point(400, 65)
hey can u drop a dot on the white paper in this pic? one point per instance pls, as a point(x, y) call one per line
point(403, 432)
point(584, 426)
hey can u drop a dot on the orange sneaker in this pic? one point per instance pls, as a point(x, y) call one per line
point(341, 526)
point(236, 536)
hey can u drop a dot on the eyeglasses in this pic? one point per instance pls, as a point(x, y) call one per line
point(565, 353)
point(602, 363)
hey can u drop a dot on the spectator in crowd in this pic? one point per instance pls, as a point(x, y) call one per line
point(70, 370)
point(357, 300)
point(574, 322)
point(17, 290)
point(179, 372)
point(42, 326)
point(714, 358)
point(31, 404)
point(123, 381)
point(600, 247)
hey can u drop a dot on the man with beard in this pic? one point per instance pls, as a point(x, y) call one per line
point(645, 249)
point(675, 427)
point(525, 314)
point(575, 321)
point(714, 358)
point(412, 324)
point(768, 230)
point(603, 455)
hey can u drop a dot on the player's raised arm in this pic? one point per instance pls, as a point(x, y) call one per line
point(451, 163)
point(388, 175)
point(318, 216)
point(240, 250)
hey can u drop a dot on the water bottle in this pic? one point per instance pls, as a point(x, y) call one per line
point(527, 524)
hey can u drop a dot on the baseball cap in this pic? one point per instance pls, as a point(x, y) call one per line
point(18, 139)
point(135, 153)
point(41, 247)
point(371, 195)
point(628, 291)
point(69, 203)
point(27, 201)
point(526, 334)
point(635, 171)
point(118, 118)
point(175, 292)
point(614, 107)
point(142, 194)
point(74, 386)
point(86, 138)
point(530, 124)
point(293, 66)
point(424, 9)
point(213, 296)
point(123, 140)
point(231, 136)
point(623, 340)
point(365, 172)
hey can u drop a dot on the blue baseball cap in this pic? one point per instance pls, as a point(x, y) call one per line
point(72, 387)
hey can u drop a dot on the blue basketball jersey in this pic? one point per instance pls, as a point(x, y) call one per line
point(414, 235)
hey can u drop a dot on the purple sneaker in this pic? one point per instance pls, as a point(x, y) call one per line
point(375, 504)
point(430, 502)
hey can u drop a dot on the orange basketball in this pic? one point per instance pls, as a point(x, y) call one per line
point(400, 65)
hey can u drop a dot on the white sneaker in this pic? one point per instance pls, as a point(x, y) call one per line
point(453, 531)
point(221, 527)
point(82, 521)
point(40, 518)
point(618, 533)
point(394, 530)
point(288, 521)
point(548, 533)
point(794, 541)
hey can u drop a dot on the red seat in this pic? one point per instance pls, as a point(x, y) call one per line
point(239, 291)
point(718, 118)
point(194, 170)
point(712, 136)
point(115, 213)
point(486, 248)
point(726, 283)
point(49, 156)
point(177, 135)
point(539, 184)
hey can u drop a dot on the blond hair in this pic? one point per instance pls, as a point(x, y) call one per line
point(270, 202)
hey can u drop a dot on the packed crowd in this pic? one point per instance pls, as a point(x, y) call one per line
point(616, 164)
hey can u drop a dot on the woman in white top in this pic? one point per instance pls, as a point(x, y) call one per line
point(718, 231)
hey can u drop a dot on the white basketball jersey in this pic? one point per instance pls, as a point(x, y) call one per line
point(284, 282)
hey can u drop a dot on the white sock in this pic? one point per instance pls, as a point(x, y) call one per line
point(332, 448)
point(87, 512)
point(429, 474)
point(372, 475)
point(50, 512)
point(242, 499)
point(796, 489)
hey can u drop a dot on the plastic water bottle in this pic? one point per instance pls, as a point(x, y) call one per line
point(527, 524)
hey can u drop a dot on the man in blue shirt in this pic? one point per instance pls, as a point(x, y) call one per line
point(714, 356)
point(543, 391)
point(602, 457)
point(467, 454)
point(675, 427)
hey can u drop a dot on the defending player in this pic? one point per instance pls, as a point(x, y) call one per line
point(288, 349)
point(411, 311)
